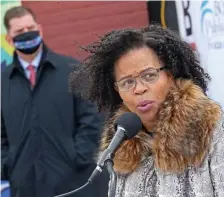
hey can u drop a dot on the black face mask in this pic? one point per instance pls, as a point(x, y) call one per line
point(28, 42)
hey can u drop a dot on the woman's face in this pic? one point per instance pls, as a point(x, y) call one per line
point(139, 88)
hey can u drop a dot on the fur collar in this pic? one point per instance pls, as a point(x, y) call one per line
point(182, 133)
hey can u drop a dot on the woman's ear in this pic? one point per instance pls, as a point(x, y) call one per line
point(115, 87)
point(172, 81)
point(170, 76)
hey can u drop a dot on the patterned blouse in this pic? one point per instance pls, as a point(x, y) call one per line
point(206, 181)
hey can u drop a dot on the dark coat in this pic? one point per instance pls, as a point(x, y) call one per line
point(48, 134)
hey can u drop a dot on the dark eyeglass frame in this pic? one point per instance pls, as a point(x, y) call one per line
point(157, 71)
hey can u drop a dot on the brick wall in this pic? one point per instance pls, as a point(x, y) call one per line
point(68, 23)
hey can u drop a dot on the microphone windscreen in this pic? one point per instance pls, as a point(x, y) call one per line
point(130, 122)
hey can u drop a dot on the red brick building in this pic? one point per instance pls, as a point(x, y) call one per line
point(67, 23)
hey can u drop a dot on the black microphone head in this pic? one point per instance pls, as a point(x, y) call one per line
point(130, 122)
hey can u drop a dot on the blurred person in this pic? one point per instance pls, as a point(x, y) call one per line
point(153, 73)
point(48, 135)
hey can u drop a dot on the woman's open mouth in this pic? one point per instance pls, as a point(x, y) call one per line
point(145, 105)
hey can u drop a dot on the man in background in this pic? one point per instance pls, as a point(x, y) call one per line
point(48, 134)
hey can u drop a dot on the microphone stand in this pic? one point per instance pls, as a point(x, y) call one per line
point(112, 183)
point(113, 178)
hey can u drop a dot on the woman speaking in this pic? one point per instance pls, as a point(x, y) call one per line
point(150, 71)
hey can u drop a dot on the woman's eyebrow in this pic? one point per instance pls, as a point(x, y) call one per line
point(126, 76)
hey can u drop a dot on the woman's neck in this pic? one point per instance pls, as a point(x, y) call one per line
point(149, 126)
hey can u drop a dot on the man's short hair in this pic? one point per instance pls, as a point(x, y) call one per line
point(16, 12)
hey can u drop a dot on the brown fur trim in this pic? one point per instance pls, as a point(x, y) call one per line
point(184, 128)
point(182, 133)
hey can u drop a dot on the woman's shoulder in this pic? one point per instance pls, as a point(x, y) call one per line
point(217, 142)
point(218, 133)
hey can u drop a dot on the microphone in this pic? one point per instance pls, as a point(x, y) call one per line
point(126, 126)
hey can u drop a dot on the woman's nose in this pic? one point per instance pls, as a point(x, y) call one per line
point(140, 87)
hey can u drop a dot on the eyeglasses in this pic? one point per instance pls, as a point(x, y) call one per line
point(148, 76)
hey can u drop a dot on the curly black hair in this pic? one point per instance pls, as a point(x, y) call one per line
point(94, 79)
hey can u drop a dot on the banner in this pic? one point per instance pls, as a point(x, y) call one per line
point(201, 24)
point(6, 49)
